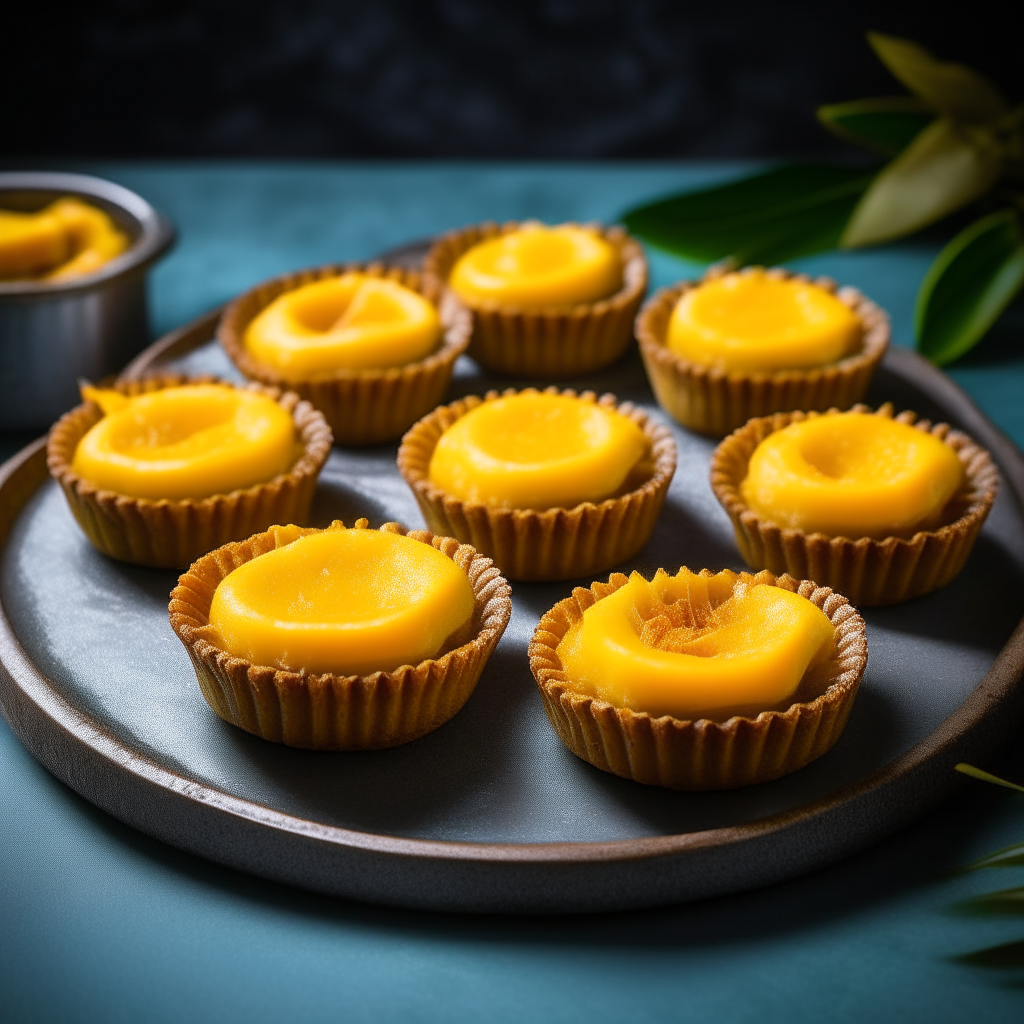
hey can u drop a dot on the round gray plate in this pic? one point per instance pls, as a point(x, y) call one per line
point(491, 812)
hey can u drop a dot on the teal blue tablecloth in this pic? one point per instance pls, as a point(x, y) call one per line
point(98, 922)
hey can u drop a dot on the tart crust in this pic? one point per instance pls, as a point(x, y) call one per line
point(702, 754)
point(555, 543)
point(170, 533)
point(715, 402)
point(870, 572)
point(325, 711)
point(362, 406)
point(554, 343)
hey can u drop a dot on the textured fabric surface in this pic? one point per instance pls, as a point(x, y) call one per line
point(102, 923)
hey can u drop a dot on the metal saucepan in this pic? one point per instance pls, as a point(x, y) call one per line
point(51, 335)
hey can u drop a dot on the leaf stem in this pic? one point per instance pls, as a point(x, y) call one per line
point(977, 773)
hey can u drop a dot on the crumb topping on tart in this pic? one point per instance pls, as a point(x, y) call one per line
point(696, 646)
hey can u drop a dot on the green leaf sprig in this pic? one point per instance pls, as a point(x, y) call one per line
point(1005, 901)
point(953, 141)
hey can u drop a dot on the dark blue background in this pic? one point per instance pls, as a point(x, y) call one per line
point(461, 78)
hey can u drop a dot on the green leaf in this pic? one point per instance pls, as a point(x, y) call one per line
point(1005, 903)
point(950, 89)
point(886, 124)
point(970, 283)
point(963, 767)
point(781, 214)
point(1008, 857)
point(1008, 955)
point(940, 171)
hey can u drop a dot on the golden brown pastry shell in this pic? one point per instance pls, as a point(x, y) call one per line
point(702, 754)
point(556, 543)
point(171, 533)
point(326, 711)
point(870, 572)
point(550, 343)
point(362, 406)
point(714, 401)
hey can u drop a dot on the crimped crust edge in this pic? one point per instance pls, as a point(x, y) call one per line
point(362, 406)
point(171, 533)
point(870, 572)
point(702, 754)
point(714, 401)
point(552, 343)
point(325, 711)
point(553, 544)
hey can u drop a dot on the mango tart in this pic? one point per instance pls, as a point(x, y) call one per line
point(553, 543)
point(553, 341)
point(324, 710)
point(884, 565)
point(173, 531)
point(711, 398)
point(362, 405)
point(683, 751)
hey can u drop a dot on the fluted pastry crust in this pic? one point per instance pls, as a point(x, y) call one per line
point(550, 343)
point(324, 711)
point(362, 406)
point(555, 543)
point(171, 533)
point(868, 571)
point(702, 754)
point(714, 402)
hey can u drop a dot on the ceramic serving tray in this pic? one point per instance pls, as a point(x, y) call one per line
point(491, 812)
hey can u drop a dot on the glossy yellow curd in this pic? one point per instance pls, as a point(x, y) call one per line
point(67, 239)
point(755, 322)
point(182, 442)
point(351, 602)
point(536, 451)
point(694, 646)
point(537, 266)
point(350, 322)
point(852, 475)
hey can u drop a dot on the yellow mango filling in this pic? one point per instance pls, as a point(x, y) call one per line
point(350, 602)
point(350, 322)
point(852, 475)
point(537, 451)
point(538, 266)
point(753, 322)
point(67, 239)
point(694, 646)
point(185, 442)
